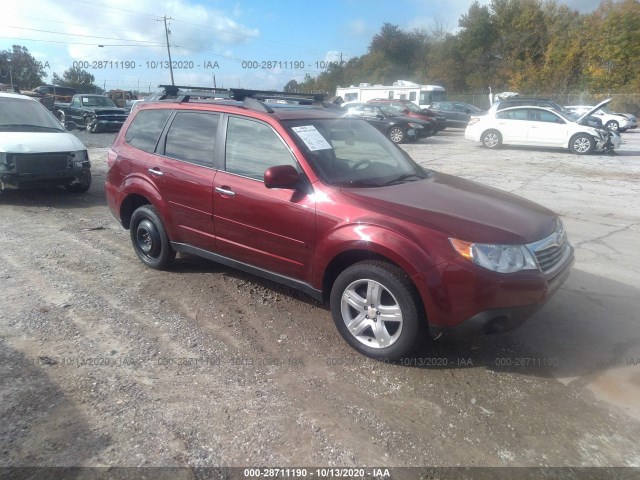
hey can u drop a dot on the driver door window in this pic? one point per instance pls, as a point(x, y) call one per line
point(253, 147)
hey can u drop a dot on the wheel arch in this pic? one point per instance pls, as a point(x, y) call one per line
point(347, 258)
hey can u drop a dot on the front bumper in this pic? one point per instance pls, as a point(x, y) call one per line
point(462, 299)
point(13, 181)
point(105, 124)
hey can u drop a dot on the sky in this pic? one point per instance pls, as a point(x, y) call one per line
point(259, 44)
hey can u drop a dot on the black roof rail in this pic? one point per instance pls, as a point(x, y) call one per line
point(253, 99)
point(254, 104)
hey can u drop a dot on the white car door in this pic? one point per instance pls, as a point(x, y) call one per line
point(512, 124)
point(546, 128)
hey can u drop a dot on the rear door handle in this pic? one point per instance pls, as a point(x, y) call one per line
point(155, 171)
point(225, 191)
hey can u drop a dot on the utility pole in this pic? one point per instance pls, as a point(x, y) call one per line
point(166, 33)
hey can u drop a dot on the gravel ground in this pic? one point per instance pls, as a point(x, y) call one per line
point(104, 362)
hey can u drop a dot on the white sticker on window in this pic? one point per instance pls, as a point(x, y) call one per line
point(312, 138)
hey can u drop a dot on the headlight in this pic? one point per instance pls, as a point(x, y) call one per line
point(415, 125)
point(497, 258)
point(78, 158)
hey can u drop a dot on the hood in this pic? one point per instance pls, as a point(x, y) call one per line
point(594, 109)
point(39, 142)
point(462, 209)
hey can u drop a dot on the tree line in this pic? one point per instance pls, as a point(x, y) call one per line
point(528, 46)
point(20, 69)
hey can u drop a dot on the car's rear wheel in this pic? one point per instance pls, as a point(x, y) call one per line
point(377, 311)
point(612, 125)
point(582, 144)
point(149, 238)
point(82, 185)
point(396, 135)
point(61, 116)
point(491, 139)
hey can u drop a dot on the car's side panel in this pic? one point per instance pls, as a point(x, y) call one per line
point(273, 229)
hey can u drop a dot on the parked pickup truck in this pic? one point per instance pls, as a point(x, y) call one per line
point(95, 112)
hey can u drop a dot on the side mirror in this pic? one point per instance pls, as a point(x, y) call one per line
point(467, 110)
point(70, 126)
point(281, 176)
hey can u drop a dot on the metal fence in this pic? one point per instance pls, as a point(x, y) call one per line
point(622, 102)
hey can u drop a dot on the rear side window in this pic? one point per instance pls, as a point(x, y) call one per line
point(145, 129)
point(519, 114)
point(191, 137)
point(252, 147)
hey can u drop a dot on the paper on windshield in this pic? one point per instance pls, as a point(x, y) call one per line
point(312, 138)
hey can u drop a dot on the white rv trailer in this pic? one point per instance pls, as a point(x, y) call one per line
point(423, 95)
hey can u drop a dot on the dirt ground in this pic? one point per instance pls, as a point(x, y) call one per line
point(104, 362)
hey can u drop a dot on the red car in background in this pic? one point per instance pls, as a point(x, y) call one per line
point(410, 109)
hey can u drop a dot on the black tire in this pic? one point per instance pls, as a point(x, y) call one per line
point(352, 295)
point(61, 116)
point(582, 144)
point(396, 135)
point(612, 125)
point(82, 185)
point(491, 139)
point(149, 238)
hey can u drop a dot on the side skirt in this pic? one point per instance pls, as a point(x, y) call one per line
point(259, 272)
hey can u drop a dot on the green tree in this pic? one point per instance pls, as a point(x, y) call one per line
point(77, 78)
point(612, 49)
point(19, 65)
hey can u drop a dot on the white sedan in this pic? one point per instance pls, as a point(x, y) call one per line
point(620, 122)
point(543, 127)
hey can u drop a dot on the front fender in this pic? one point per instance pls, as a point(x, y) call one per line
point(401, 250)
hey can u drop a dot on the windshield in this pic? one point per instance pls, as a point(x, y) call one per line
point(22, 115)
point(390, 111)
point(348, 152)
point(412, 107)
point(97, 102)
point(429, 97)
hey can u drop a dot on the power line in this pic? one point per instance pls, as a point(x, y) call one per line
point(77, 34)
point(79, 43)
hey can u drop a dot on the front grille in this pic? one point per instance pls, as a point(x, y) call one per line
point(550, 252)
point(116, 118)
point(39, 162)
point(551, 256)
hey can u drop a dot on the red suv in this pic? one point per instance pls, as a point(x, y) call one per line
point(327, 204)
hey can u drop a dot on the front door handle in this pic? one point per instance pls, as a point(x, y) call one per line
point(225, 191)
point(155, 171)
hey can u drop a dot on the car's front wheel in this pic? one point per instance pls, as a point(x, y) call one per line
point(491, 139)
point(149, 238)
point(396, 135)
point(612, 125)
point(91, 124)
point(582, 144)
point(377, 310)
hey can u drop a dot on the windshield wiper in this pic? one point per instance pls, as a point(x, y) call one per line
point(361, 183)
point(403, 177)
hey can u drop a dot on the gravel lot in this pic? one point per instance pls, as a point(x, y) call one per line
point(104, 362)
